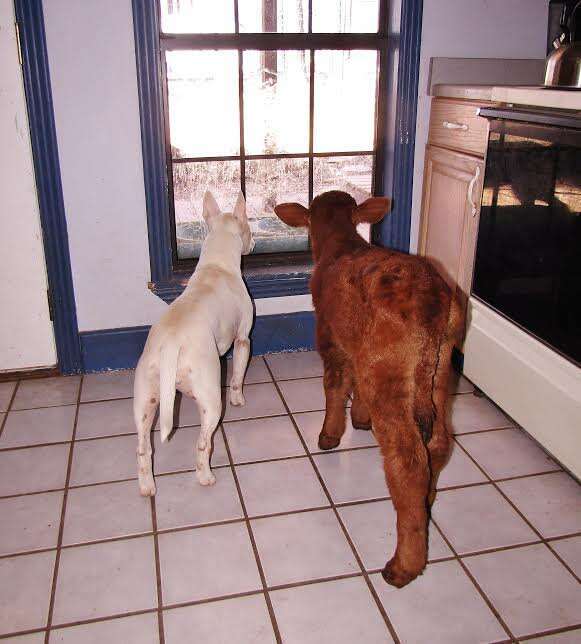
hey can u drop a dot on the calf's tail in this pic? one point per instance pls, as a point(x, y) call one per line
point(435, 359)
point(168, 364)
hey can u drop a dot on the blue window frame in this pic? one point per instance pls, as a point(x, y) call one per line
point(167, 276)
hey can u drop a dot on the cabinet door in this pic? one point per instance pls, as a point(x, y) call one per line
point(450, 212)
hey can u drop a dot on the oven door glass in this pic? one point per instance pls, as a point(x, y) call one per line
point(528, 255)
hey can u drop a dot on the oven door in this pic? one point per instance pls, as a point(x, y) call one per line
point(528, 255)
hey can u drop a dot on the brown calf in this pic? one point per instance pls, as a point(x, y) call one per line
point(386, 325)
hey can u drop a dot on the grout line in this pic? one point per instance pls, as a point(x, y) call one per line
point(252, 541)
point(62, 518)
point(212, 600)
point(521, 514)
point(358, 559)
point(9, 407)
point(271, 460)
point(157, 571)
point(259, 517)
point(554, 631)
point(487, 430)
point(474, 582)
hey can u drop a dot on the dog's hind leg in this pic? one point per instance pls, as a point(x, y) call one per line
point(208, 397)
point(145, 401)
point(239, 364)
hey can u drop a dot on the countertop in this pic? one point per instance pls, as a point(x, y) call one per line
point(536, 96)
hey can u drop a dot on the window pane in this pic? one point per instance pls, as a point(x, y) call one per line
point(197, 16)
point(350, 174)
point(283, 16)
point(190, 181)
point(276, 101)
point(345, 84)
point(345, 16)
point(203, 103)
point(270, 182)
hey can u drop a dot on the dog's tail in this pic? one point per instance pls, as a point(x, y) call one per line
point(168, 364)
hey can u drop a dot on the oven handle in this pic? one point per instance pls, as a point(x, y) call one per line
point(540, 116)
point(471, 186)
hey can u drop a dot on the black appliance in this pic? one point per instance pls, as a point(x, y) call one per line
point(561, 11)
point(528, 254)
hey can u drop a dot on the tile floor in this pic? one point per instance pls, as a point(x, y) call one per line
point(289, 543)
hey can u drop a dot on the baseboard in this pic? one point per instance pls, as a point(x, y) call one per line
point(29, 374)
point(110, 349)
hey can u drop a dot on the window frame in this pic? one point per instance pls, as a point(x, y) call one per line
point(266, 275)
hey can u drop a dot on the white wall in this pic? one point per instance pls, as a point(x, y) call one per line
point(94, 84)
point(26, 336)
point(92, 66)
point(471, 29)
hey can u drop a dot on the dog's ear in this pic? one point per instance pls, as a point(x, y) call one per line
point(293, 214)
point(371, 210)
point(211, 208)
point(240, 208)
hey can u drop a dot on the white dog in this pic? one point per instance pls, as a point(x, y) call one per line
point(183, 349)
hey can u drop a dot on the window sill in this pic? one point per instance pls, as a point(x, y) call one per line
point(267, 281)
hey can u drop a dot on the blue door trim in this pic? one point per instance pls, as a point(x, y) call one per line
point(38, 91)
point(109, 349)
point(394, 230)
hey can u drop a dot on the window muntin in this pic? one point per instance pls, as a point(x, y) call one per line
point(195, 17)
point(284, 121)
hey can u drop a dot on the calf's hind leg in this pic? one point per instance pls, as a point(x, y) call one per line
point(406, 469)
point(337, 381)
point(360, 418)
point(440, 444)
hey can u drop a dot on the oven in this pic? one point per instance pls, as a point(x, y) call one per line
point(523, 338)
point(528, 254)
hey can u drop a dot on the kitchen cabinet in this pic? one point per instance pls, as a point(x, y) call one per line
point(451, 204)
point(452, 190)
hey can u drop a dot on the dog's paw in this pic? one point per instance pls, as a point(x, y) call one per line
point(205, 478)
point(147, 488)
point(237, 398)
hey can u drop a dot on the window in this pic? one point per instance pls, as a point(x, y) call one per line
point(280, 98)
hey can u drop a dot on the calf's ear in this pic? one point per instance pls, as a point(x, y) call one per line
point(371, 210)
point(293, 214)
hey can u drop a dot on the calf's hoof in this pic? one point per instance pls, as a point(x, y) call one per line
point(394, 576)
point(358, 424)
point(328, 442)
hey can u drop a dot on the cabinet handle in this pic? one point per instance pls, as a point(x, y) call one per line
point(471, 186)
point(449, 125)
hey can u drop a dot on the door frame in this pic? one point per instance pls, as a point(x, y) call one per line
point(37, 87)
